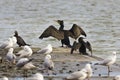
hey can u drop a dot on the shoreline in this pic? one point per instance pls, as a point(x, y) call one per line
point(64, 62)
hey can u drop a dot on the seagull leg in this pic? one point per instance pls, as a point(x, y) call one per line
point(108, 71)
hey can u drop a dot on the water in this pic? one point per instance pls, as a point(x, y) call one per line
point(99, 18)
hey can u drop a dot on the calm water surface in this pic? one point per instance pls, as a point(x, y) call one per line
point(99, 18)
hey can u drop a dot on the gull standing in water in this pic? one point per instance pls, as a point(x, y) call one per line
point(11, 56)
point(25, 52)
point(25, 64)
point(82, 74)
point(48, 63)
point(46, 50)
point(108, 61)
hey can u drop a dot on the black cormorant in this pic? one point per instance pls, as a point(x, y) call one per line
point(62, 34)
point(66, 40)
point(82, 46)
point(20, 40)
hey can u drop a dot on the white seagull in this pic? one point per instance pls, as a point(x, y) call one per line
point(25, 52)
point(108, 61)
point(48, 63)
point(14, 40)
point(37, 76)
point(78, 75)
point(7, 44)
point(117, 77)
point(11, 56)
point(82, 74)
point(89, 70)
point(46, 50)
point(25, 64)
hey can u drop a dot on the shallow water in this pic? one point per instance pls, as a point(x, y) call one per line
point(100, 19)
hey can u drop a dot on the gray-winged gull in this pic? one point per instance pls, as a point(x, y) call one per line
point(108, 61)
point(84, 73)
point(46, 50)
point(7, 44)
point(48, 63)
point(25, 64)
point(14, 39)
point(25, 52)
point(78, 75)
point(11, 56)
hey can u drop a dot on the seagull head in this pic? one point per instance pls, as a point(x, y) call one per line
point(48, 56)
point(5, 78)
point(114, 52)
point(49, 45)
point(11, 50)
point(88, 65)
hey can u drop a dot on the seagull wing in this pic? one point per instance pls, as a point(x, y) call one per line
point(76, 75)
point(77, 31)
point(42, 51)
point(49, 64)
point(106, 61)
point(52, 31)
point(75, 46)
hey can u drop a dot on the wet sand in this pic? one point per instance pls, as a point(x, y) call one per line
point(65, 63)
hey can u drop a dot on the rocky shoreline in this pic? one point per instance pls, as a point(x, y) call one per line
point(65, 63)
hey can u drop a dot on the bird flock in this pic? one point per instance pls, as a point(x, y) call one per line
point(22, 60)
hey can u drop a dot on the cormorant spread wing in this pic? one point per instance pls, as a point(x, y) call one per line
point(77, 31)
point(52, 31)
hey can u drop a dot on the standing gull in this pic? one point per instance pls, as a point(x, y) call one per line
point(7, 44)
point(82, 74)
point(14, 39)
point(48, 63)
point(25, 52)
point(78, 75)
point(11, 56)
point(46, 50)
point(89, 70)
point(20, 40)
point(25, 64)
point(108, 61)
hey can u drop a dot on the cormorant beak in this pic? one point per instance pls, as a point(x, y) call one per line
point(83, 38)
point(57, 21)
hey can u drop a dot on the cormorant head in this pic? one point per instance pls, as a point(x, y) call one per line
point(16, 33)
point(60, 22)
point(81, 39)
